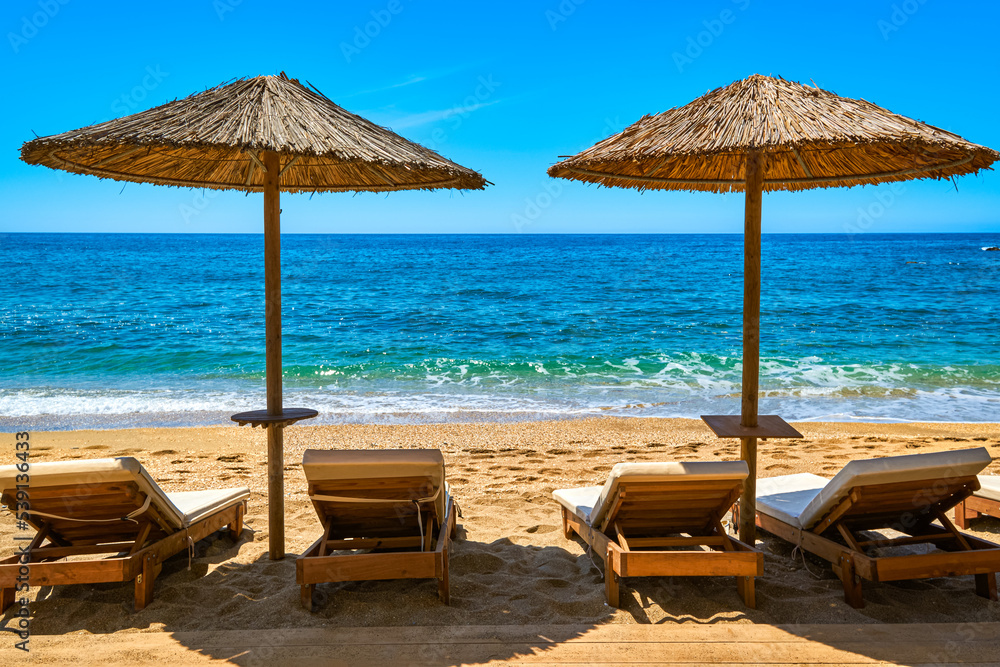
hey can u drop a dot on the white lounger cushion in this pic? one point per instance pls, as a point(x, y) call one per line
point(580, 501)
point(326, 465)
point(577, 499)
point(803, 500)
point(196, 505)
point(179, 509)
point(786, 497)
point(990, 487)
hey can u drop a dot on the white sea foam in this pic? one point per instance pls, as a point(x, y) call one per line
point(79, 408)
point(444, 389)
point(52, 401)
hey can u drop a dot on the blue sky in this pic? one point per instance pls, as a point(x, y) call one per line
point(503, 88)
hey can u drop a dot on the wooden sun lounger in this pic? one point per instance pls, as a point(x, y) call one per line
point(904, 493)
point(662, 520)
point(110, 508)
point(386, 514)
point(985, 501)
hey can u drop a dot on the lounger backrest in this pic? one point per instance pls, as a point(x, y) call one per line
point(78, 492)
point(931, 473)
point(405, 474)
point(668, 497)
point(989, 487)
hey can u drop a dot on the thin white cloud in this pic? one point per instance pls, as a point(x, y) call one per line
point(417, 119)
point(416, 78)
point(409, 82)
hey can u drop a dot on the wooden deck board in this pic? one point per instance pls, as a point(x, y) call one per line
point(662, 644)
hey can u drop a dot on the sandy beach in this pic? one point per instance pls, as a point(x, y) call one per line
point(511, 565)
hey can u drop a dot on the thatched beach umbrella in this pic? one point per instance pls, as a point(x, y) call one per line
point(266, 134)
point(764, 134)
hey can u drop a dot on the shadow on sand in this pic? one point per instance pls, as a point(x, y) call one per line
point(550, 600)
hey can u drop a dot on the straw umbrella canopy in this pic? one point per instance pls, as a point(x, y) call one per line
point(764, 134)
point(263, 134)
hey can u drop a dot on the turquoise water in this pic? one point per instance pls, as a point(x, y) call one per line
point(125, 330)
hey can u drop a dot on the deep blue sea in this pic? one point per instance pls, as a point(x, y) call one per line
point(107, 330)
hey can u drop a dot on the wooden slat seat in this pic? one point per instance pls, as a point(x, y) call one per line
point(907, 494)
point(386, 514)
point(108, 507)
point(663, 519)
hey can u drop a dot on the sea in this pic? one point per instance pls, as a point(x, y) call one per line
point(132, 330)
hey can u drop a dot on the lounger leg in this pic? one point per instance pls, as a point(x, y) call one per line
point(745, 586)
point(851, 580)
point(453, 515)
point(567, 530)
point(236, 527)
point(144, 582)
point(963, 515)
point(611, 581)
point(611, 587)
point(6, 598)
point(443, 590)
point(986, 585)
point(307, 596)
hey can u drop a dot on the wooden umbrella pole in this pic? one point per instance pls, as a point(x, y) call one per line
point(272, 294)
point(751, 339)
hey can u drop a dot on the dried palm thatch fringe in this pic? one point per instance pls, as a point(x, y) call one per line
point(809, 138)
point(214, 139)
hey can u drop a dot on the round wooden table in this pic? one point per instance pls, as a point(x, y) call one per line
point(263, 419)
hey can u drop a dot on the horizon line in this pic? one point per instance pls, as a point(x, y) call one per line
point(187, 233)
